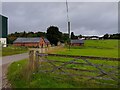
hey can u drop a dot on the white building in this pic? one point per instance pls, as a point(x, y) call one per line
point(3, 42)
point(95, 38)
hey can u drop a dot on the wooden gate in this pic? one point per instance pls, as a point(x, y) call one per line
point(98, 70)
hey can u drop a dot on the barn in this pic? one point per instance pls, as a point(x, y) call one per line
point(77, 42)
point(32, 42)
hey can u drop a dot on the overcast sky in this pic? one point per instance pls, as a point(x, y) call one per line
point(87, 18)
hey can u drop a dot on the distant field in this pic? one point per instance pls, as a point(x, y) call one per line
point(11, 50)
point(104, 48)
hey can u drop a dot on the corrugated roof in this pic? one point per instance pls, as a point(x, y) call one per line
point(23, 40)
point(46, 40)
point(77, 41)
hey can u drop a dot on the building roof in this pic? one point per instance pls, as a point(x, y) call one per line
point(26, 40)
point(46, 40)
point(77, 41)
point(3, 16)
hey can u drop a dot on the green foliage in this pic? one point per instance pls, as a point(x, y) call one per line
point(65, 37)
point(106, 36)
point(53, 35)
point(115, 36)
point(112, 36)
point(73, 36)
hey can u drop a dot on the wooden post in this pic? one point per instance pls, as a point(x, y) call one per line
point(37, 60)
point(31, 56)
point(30, 65)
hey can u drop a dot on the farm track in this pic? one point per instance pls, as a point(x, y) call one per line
point(6, 61)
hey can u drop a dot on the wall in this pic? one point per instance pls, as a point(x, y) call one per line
point(77, 44)
point(42, 43)
point(4, 29)
point(27, 44)
point(3, 41)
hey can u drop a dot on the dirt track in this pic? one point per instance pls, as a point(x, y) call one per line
point(6, 61)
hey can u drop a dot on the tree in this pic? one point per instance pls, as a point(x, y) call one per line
point(65, 37)
point(115, 36)
point(80, 36)
point(73, 36)
point(106, 36)
point(53, 34)
point(40, 34)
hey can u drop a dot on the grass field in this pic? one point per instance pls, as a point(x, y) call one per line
point(17, 72)
point(103, 48)
point(11, 50)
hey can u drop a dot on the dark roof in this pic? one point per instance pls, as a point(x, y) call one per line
point(46, 40)
point(3, 16)
point(77, 41)
point(94, 37)
point(24, 40)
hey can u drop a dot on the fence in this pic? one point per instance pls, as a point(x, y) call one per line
point(80, 66)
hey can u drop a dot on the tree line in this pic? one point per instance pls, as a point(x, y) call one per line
point(112, 36)
point(54, 35)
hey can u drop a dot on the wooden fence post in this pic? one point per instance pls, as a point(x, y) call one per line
point(37, 60)
point(30, 65)
point(31, 56)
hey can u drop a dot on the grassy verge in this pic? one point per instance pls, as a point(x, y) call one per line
point(15, 75)
point(11, 50)
point(18, 74)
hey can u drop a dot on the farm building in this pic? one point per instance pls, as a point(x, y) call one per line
point(94, 38)
point(32, 42)
point(77, 42)
point(3, 30)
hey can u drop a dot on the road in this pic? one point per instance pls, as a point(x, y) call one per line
point(6, 60)
point(12, 58)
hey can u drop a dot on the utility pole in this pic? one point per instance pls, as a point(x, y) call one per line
point(68, 21)
point(69, 34)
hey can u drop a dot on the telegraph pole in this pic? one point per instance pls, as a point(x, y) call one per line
point(68, 21)
point(69, 34)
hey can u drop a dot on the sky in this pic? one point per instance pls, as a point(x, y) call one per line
point(87, 18)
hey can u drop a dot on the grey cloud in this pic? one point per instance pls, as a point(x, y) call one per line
point(86, 18)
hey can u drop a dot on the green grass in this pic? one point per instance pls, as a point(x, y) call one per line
point(103, 48)
point(11, 50)
point(38, 80)
point(14, 73)
point(18, 71)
